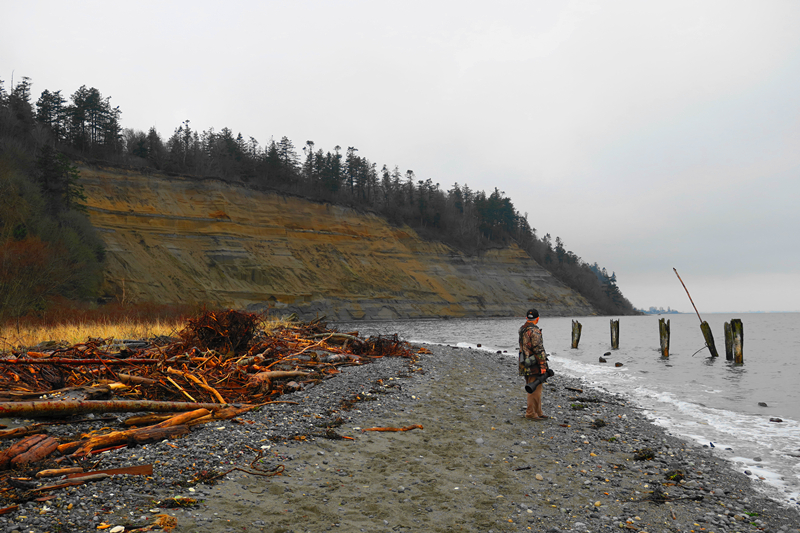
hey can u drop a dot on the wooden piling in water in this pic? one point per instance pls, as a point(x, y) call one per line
point(614, 334)
point(728, 342)
point(737, 337)
point(663, 335)
point(576, 333)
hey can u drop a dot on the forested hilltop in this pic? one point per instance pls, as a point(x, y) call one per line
point(48, 249)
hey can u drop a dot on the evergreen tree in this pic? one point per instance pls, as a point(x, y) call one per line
point(156, 151)
point(93, 126)
point(58, 178)
point(50, 112)
point(332, 171)
point(20, 103)
point(310, 166)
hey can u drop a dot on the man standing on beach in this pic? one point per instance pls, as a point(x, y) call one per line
point(533, 362)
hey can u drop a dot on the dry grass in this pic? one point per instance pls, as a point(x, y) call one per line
point(13, 336)
point(68, 327)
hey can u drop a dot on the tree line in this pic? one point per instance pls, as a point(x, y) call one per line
point(87, 126)
point(48, 248)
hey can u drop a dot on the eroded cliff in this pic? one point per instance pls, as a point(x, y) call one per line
point(173, 239)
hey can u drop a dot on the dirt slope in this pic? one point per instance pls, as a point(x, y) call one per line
point(175, 239)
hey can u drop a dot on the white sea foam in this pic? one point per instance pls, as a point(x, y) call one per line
point(761, 447)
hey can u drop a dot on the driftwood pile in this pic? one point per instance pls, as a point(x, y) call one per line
point(221, 366)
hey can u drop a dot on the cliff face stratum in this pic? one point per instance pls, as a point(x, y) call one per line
point(185, 240)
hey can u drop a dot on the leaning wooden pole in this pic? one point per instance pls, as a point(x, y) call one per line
point(704, 327)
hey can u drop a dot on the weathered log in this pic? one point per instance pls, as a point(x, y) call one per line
point(269, 375)
point(18, 448)
point(155, 434)
point(139, 470)
point(92, 392)
point(182, 418)
point(17, 454)
point(137, 435)
point(221, 414)
point(56, 472)
point(20, 432)
point(135, 380)
point(37, 452)
point(69, 447)
point(70, 407)
point(73, 483)
point(69, 361)
point(224, 413)
point(147, 420)
point(34, 429)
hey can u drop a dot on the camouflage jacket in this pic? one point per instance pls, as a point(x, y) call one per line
point(533, 359)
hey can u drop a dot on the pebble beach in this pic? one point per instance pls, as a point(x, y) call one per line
point(467, 460)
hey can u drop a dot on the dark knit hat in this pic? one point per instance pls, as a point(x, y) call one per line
point(533, 314)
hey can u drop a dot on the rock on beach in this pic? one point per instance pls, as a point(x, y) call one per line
point(475, 465)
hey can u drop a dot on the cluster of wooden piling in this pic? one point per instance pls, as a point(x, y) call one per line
point(734, 338)
point(734, 341)
point(577, 327)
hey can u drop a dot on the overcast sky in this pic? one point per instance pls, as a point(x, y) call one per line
point(647, 135)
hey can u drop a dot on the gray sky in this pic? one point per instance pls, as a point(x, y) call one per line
point(647, 135)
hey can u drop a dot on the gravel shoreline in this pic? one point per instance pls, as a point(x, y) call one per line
point(476, 465)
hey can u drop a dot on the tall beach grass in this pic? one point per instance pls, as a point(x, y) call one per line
point(70, 325)
point(67, 325)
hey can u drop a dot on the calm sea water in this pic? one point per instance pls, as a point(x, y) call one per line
point(708, 400)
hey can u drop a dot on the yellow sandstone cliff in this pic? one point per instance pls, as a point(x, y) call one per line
point(177, 239)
